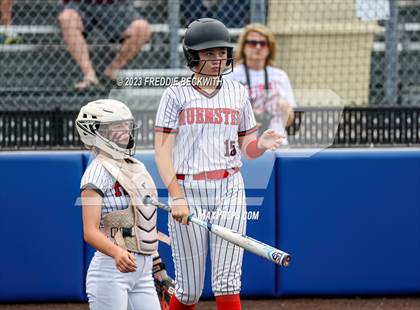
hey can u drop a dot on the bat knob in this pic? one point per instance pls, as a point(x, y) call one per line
point(286, 260)
point(147, 200)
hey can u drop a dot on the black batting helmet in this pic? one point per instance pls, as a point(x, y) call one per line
point(206, 33)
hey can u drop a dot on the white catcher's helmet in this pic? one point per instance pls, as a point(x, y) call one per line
point(93, 122)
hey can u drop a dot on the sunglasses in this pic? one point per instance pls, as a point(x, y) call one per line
point(254, 43)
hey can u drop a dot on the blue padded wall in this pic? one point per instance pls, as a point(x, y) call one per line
point(351, 220)
point(258, 274)
point(41, 228)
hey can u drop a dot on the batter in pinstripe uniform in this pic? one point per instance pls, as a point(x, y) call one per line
point(201, 130)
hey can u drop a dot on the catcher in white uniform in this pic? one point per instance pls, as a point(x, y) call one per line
point(115, 222)
point(269, 87)
point(201, 130)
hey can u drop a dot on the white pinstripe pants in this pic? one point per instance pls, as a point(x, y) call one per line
point(220, 202)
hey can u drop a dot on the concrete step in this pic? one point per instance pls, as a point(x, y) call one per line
point(52, 67)
point(45, 12)
point(51, 34)
point(45, 35)
point(47, 99)
point(409, 14)
point(35, 12)
point(136, 99)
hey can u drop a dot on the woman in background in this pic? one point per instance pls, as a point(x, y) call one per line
point(269, 87)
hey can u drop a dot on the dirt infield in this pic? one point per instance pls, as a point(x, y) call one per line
point(408, 303)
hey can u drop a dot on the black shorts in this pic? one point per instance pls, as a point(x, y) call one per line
point(112, 19)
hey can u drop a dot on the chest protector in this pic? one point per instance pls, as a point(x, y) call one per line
point(133, 228)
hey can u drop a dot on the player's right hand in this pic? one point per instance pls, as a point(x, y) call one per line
point(125, 261)
point(180, 210)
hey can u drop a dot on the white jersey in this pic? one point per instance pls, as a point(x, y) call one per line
point(97, 178)
point(279, 89)
point(207, 127)
point(106, 286)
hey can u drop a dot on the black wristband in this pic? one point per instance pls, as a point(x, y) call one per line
point(158, 267)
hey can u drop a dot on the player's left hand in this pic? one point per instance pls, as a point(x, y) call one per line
point(270, 140)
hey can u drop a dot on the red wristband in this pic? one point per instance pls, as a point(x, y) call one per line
point(252, 149)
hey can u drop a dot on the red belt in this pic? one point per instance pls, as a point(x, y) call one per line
point(210, 175)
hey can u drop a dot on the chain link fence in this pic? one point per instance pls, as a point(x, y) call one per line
point(366, 51)
point(356, 53)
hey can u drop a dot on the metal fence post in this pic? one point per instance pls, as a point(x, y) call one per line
point(173, 32)
point(391, 55)
point(258, 11)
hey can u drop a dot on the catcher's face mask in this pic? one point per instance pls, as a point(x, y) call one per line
point(123, 133)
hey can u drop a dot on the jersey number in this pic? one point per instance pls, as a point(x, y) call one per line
point(230, 149)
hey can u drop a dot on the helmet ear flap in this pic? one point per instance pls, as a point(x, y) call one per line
point(191, 56)
point(229, 56)
point(131, 142)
